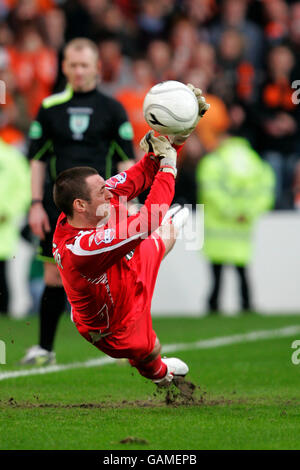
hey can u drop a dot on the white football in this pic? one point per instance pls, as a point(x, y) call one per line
point(170, 108)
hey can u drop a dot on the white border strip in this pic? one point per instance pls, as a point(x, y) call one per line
point(202, 344)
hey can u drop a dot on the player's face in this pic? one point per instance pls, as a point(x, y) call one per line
point(98, 209)
point(81, 68)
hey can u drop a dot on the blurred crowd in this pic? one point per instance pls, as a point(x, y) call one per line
point(244, 55)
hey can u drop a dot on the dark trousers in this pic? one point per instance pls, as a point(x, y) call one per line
point(213, 301)
point(3, 288)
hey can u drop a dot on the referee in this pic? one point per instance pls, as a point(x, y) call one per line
point(77, 127)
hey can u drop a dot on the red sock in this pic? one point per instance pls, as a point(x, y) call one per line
point(153, 370)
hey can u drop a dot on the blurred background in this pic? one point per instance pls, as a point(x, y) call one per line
point(243, 54)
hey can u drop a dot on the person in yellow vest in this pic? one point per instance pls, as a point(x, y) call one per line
point(236, 186)
point(14, 201)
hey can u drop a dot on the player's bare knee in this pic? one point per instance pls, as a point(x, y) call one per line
point(51, 275)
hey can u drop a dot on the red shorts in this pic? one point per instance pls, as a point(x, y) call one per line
point(136, 340)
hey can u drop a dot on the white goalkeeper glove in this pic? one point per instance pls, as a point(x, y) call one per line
point(161, 148)
point(179, 139)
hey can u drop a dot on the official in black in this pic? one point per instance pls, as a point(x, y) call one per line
point(79, 126)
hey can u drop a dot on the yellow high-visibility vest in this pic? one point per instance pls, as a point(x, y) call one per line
point(236, 186)
point(15, 196)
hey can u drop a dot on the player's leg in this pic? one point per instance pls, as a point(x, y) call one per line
point(152, 366)
point(51, 307)
point(213, 301)
point(132, 344)
point(244, 289)
point(160, 370)
point(3, 289)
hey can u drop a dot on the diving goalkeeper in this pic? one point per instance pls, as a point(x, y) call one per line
point(109, 260)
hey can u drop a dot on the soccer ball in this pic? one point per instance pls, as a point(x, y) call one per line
point(170, 108)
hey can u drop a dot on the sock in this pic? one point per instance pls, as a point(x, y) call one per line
point(52, 305)
point(153, 370)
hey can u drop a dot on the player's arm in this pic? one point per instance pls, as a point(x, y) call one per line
point(132, 182)
point(38, 218)
point(39, 147)
point(99, 249)
point(140, 176)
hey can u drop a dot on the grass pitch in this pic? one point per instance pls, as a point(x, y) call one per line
point(246, 394)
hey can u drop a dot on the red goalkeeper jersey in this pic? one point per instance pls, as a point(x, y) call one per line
point(100, 268)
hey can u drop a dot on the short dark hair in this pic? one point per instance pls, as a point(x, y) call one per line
point(70, 185)
point(81, 43)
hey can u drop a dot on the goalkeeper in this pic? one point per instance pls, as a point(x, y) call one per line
point(109, 261)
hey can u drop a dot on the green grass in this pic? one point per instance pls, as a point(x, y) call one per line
point(247, 395)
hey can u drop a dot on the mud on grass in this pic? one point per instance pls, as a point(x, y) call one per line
point(179, 393)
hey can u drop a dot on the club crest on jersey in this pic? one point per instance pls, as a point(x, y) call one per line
point(117, 179)
point(79, 124)
point(104, 236)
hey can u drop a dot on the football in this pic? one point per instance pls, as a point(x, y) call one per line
point(170, 108)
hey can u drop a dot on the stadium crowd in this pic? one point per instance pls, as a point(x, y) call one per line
point(243, 54)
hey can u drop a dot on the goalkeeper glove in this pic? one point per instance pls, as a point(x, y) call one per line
point(179, 139)
point(161, 148)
